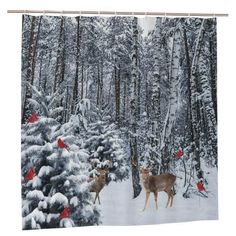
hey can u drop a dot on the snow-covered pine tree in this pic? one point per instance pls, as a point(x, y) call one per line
point(70, 178)
point(35, 146)
point(106, 150)
point(55, 191)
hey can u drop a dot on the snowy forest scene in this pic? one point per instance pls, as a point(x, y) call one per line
point(118, 120)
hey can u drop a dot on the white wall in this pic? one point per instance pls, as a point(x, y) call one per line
point(10, 54)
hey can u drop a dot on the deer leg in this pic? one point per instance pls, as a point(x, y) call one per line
point(155, 198)
point(172, 197)
point(95, 198)
point(146, 200)
point(168, 200)
point(99, 199)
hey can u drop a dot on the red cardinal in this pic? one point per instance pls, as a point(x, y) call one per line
point(178, 154)
point(64, 213)
point(200, 186)
point(32, 118)
point(61, 144)
point(30, 174)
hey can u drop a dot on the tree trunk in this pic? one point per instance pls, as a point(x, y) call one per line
point(117, 93)
point(194, 105)
point(36, 44)
point(47, 69)
point(173, 97)
point(213, 70)
point(135, 169)
point(76, 81)
point(98, 87)
point(138, 95)
point(188, 65)
point(101, 85)
point(66, 110)
point(124, 97)
point(133, 111)
point(60, 63)
point(40, 73)
point(208, 118)
point(86, 86)
point(82, 81)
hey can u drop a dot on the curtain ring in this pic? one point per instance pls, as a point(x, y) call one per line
point(62, 12)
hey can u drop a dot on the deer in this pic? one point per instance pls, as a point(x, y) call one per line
point(98, 182)
point(157, 183)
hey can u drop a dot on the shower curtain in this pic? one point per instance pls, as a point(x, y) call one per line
point(115, 109)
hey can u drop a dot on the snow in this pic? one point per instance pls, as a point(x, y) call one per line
point(35, 182)
point(35, 216)
point(35, 194)
point(48, 147)
point(52, 157)
point(67, 183)
point(44, 171)
point(95, 154)
point(67, 223)
point(74, 201)
point(51, 217)
point(118, 207)
point(32, 150)
point(87, 211)
point(82, 153)
point(33, 224)
point(83, 187)
point(42, 205)
point(112, 176)
point(100, 148)
point(84, 105)
point(59, 198)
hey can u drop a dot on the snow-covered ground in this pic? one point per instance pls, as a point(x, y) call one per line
point(118, 207)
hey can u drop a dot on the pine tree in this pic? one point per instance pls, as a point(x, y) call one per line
point(55, 191)
point(106, 150)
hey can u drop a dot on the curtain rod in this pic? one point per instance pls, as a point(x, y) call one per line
point(120, 13)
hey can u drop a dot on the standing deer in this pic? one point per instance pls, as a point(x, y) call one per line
point(98, 182)
point(157, 183)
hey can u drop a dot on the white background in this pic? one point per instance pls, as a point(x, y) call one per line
point(10, 54)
